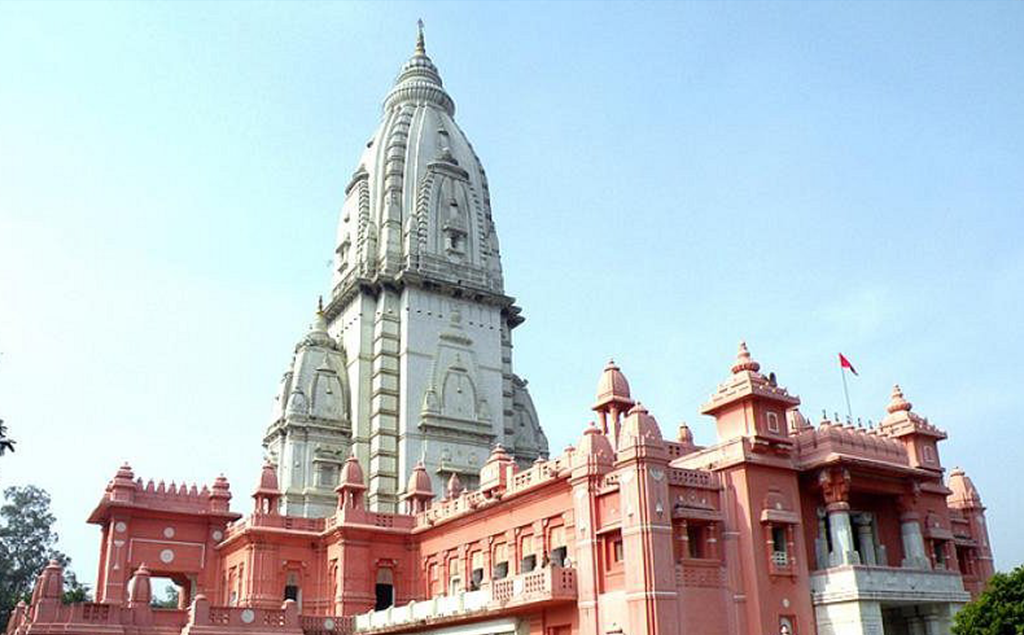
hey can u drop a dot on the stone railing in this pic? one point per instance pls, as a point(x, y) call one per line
point(886, 584)
point(700, 479)
point(548, 583)
point(326, 624)
point(543, 586)
point(204, 619)
point(275, 521)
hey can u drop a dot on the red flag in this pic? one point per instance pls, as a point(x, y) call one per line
point(845, 363)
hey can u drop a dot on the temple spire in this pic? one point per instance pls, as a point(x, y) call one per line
point(421, 47)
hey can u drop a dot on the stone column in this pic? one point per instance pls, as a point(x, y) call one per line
point(914, 555)
point(866, 539)
point(821, 541)
point(712, 541)
point(835, 489)
point(842, 536)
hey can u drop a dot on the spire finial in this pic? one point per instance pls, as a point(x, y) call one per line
point(744, 361)
point(421, 47)
point(897, 402)
point(320, 304)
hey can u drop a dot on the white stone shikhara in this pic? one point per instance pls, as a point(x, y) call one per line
point(412, 357)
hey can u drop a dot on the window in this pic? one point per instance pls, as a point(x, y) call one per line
point(454, 579)
point(559, 555)
point(786, 625)
point(291, 587)
point(617, 551)
point(556, 539)
point(929, 454)
point(327, 475)
point(780, 553)
point(500, 562)
point(529, 560)
point(384, 589)
point(773, 422)
point(695, 538)
point(476, 576)
point(343, 249)
point(435, 587)
point(939, 551)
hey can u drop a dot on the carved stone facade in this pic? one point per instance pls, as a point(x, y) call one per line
point(418, 320)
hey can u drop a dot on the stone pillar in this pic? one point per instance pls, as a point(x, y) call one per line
point(835, 489)
point(866, 539)
point(842, 536)
point(914, 555)
point(712, 541)
point(821, 541)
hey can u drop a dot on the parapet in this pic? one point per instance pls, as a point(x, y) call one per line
point(124, 492)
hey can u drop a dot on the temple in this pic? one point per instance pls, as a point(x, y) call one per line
point(408, 486)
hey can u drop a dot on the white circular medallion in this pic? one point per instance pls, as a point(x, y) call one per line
point(168, 532)
point(248, 616)
point(328, 624)
point(217, 534)
point(785, 603)
point(120, 527)
point(166, 556)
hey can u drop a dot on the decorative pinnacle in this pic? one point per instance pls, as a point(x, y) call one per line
point(897, 402)
point(320, 304)
point(744, 361)
point(421, 47)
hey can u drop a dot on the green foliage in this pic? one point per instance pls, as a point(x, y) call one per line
point(997, 611)
point(27, 544)
point(170, 600)
point(6, 443)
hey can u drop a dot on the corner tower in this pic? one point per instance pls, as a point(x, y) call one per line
point(418, 312)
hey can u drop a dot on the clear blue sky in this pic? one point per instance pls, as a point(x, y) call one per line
point(666, 180)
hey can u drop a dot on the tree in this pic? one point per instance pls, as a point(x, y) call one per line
point(27, 544)
point(170, 600)
point(6, 443)
point(999, 610)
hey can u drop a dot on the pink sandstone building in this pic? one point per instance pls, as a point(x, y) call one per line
point(408, 487)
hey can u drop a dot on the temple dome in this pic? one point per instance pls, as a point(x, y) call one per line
point(267, 484)
point(351, 474)
point(639, 427)
point(612, 387)
point(419, 482)
point(594, 443)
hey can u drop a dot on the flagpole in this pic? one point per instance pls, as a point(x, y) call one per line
point(846, 392)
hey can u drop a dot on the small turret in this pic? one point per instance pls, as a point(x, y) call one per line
point(122, 487)
point(140, 591)
point(352, 486)
point(418, 491)
point(220, 494)
point(613, 400)
point(748, 404)
point(267, 493)
point(455, 488)
point(51, 581)
point(594, 453)
point(919, 437)
point(639, 428)
point(495, 473)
